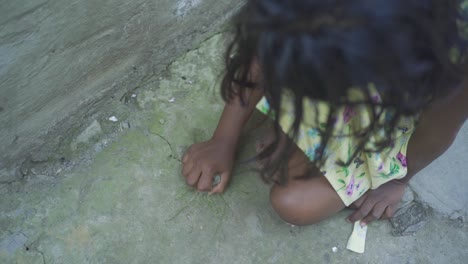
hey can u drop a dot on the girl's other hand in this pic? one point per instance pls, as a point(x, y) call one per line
point(380, 203)
point(203, 161)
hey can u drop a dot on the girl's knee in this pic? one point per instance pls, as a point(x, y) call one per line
point(291, 207)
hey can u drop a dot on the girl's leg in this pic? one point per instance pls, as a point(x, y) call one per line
point(303, 201)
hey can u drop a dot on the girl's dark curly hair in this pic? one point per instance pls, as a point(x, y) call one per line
point(411, 50)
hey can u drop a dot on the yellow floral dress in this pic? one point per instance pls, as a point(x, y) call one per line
point(367, 170)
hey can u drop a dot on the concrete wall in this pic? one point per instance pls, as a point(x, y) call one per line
point(60, 61)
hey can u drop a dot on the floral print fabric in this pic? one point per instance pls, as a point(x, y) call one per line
point(367, 170)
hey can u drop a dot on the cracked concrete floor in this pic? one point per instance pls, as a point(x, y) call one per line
point(129, 204)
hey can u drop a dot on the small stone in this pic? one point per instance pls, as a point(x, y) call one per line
point(40, 156)
point(335, 249)
point(456, 216)
point(216, 180)
point(97, 147)
point(125, 125)
point(24, 170)
point(172, 100)
point(113, 119)
point(91, 131)
point(134, 95)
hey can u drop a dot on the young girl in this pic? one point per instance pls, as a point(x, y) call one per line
point(363, 94)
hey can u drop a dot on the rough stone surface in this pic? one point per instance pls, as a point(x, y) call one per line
point(457, 216)
point(409, 219)
point(130, 204)
point(91, 131)
point(61, 61)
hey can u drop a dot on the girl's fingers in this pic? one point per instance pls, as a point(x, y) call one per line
point(193, 177)
point(222, 184)
point(389, 212)
point(375, 214)
point(187, 168)
point(206, 179)
point(185, 158)
point(357, 204)
point(362, 212)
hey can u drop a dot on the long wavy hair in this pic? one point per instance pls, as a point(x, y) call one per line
point(411, 50)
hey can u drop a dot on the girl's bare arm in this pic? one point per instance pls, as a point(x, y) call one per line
point(235, 115)
point(436, 131)
point(202, 161)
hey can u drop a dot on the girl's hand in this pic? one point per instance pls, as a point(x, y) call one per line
point(380, 203)
point(203, 161)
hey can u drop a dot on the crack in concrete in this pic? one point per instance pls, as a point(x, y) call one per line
point(37, 251)
point(173, 153)
point(42, 255)
point(32, 247)
point(5, 184)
